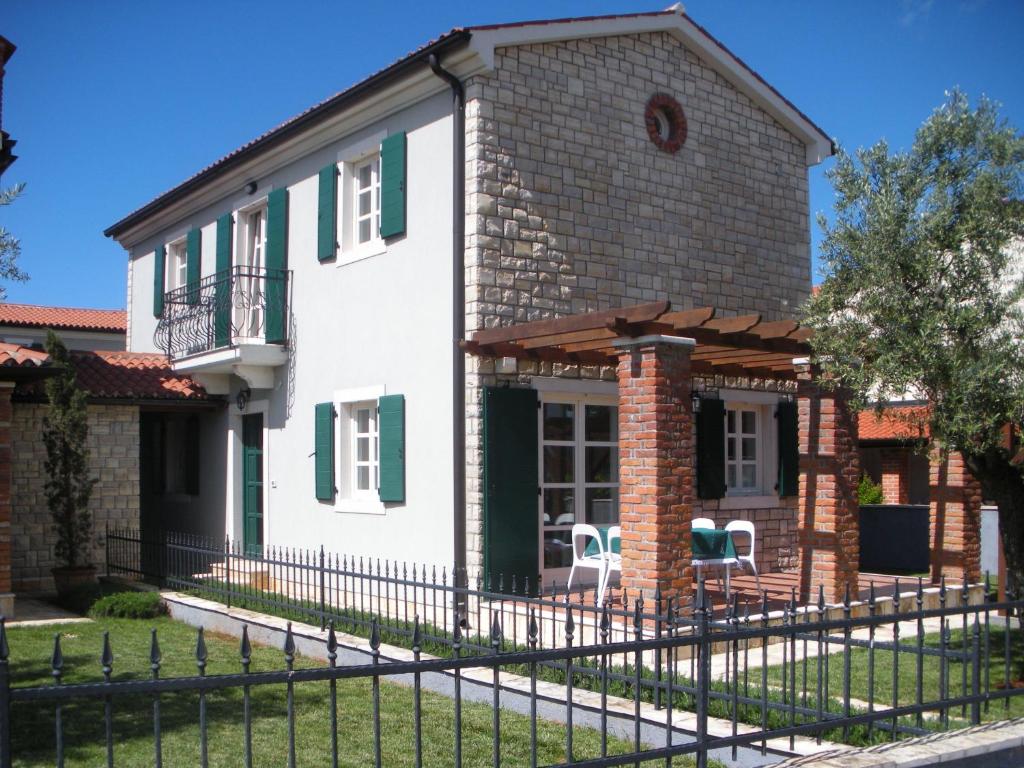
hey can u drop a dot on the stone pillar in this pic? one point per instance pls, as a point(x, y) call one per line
point(656, 465)
point(954, 519)
point(828, 526)
point(6, 454)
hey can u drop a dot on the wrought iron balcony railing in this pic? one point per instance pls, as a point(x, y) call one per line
point(237, 306)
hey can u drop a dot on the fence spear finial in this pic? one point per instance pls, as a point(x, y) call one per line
point(374, 635)
point(417, 637)
point(245, 649)
point(154, 652)
point(532, 630)
point(107, 657)
point(289, 646)
point(570, 623)
point(5, 650)
point(821, 598)
point(200, 651)
point(496, 631)
point(332, 643)
point(56, 659)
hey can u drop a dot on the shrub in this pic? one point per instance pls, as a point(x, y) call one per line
point(128, 605)
point(869, 492)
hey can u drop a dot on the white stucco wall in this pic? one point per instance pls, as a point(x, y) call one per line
point(382, 322)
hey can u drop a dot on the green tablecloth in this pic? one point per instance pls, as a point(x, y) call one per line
point(592, 545)
point(712, 544)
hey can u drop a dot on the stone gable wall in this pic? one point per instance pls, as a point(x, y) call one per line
point(571, 208)
point(114, 460)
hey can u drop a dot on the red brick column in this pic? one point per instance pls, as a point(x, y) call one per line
point(954, 519)
point(6, 415)
point(828, 526)
point(656, 465)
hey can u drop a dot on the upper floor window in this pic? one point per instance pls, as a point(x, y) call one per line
point(254, 232)
point(366, 193)
point(177, 265)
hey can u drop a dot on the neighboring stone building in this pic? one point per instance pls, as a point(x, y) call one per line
point(125, 391)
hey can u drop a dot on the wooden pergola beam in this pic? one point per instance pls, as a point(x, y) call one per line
point(592, 320)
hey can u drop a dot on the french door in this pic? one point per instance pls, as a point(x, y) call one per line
point(578, 471)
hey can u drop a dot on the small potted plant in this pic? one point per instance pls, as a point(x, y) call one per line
point(68, 484)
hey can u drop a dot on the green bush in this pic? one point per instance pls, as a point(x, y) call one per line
point(128, 605)
point(869, 492)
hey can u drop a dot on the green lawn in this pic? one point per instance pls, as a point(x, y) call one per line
point(907, 675)
point(33, 725)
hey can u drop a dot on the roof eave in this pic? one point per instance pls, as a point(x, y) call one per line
point(342, 101)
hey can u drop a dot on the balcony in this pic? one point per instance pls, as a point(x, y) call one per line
point(232, 323)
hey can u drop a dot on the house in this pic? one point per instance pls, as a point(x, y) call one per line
point(26, 325)
point(518, 279)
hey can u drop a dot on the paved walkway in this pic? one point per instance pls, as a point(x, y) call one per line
point(30, 612)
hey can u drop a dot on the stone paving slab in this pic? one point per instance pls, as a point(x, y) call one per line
point(31, 612)
point(1002, 741)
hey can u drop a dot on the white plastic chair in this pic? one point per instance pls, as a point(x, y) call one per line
point(702, 522)
point(747, 527)
point(614, 559)
point(599, 562)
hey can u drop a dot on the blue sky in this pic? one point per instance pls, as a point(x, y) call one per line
point(113, 103)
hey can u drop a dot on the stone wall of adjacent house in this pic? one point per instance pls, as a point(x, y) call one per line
point(571, 208)
point(114, 461)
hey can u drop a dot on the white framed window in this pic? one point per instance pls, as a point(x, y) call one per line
point(751, 453)
point(744, 455)
point(357, 451)
point(579, 471)
point(365, 451)
point(254, 234)
point(177, 265)
point(366, 195)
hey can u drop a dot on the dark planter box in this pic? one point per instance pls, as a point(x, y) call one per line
point(894, 538)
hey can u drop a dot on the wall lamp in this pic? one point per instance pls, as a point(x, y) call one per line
point(250, 188)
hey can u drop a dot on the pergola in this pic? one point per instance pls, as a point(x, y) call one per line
point(743, 345)
point(657, 353)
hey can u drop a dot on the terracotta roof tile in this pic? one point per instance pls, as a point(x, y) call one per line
point(898, 422)
point(133, 375)
point(125, 376)
point(17, 356)
point(67, 318)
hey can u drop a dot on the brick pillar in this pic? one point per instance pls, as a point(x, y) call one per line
point(656, 461)
point(6, 454)
point(954, 518)
point(828, 527)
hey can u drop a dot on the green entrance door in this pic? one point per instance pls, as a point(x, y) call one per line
point(252, 483)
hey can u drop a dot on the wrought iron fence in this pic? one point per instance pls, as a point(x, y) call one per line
point(224, 309)
point(707, 671)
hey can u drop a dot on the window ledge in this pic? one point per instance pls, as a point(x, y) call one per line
point(376, 248)
point(360, 506)
point(749, 502)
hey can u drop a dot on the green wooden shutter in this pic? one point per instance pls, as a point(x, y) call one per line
point(391, 428)
point(323, 443)
point(711, 448)
point(277, 265)
point(222, 288)
point(789, 449)
point(511, 518)
point(392, 185)
point(159, 270)
point(327, 214)
point(193, 251)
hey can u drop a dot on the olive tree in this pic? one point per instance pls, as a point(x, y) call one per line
point(923, 292)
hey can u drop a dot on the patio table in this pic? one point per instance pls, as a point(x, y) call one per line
point(713, 546)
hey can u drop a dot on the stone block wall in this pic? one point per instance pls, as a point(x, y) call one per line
point(571, 208)
point(114, 460)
